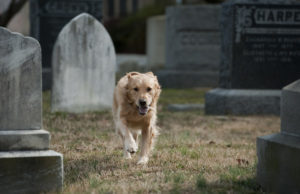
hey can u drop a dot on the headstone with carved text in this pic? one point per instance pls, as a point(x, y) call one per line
point(192, 46)
point(47, 18)
point(260, 54)
point(260, 44)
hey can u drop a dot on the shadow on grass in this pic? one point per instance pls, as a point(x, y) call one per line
point(237, 179)
point(241, 186)
point(238, 186)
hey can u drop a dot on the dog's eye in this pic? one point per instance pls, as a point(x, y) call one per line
point(149, 89)
point(136, 89)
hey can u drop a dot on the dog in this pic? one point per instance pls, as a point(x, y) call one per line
point(134, 112)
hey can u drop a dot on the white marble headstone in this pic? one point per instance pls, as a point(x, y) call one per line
point(20, 82)
point(26, 163)
point(83, 65)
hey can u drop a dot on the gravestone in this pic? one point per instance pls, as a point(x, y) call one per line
point(48, 17)
point(156, 34)
point(83, 66)
point(260, 55)
point(278, 154)
point(26, 164)
point(192, 46)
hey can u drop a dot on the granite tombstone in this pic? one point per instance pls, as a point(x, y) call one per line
point(278, 168)
point(260, 54)
point(83, 65)
point(47, 18)
point(26, 164)
point(260, 44)
point(155, 41)
point(192, 46)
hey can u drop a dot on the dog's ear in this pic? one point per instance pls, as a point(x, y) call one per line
point(157, 91)
point(130, 74)
point(157, 84)
point(127, 95)
point(127, 92)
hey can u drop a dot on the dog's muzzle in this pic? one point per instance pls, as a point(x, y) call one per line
point(143, 107)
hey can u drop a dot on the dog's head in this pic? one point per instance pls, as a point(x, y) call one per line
point(143, 91)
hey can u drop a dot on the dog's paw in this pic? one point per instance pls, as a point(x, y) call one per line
point(143, 160)
point(127, 155)
point(131, 147)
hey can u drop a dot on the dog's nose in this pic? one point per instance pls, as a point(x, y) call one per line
point(142, 102)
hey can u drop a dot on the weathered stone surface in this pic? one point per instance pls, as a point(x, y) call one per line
point(31, 172)
point(186, 107)
point(20, 82)
point(24, 140)
point(156, 41)
point(186, 79)
point(242, 102)
point(84, 62)
point(290, 108)
point(258, 45)
point(21, 120)
point(278, 168)
point(209, 60)
point(192, 46)
point(48, 17)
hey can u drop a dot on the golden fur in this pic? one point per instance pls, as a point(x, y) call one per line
point(134, 112)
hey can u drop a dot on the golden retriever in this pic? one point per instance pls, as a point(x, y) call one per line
point(134, 112)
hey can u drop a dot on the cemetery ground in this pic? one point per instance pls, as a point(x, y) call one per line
point(195, 153)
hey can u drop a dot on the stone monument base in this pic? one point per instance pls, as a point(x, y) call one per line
point(221, 101)
point(31, 171)
point(16, 140)
point(187, 79)
point(279, 163)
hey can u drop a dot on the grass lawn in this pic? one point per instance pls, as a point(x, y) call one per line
point(194, 153)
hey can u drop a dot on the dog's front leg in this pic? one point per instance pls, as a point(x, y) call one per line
point(129, 144)
point(147, 136)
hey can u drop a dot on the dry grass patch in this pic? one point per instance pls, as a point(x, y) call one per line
point(194, 153)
